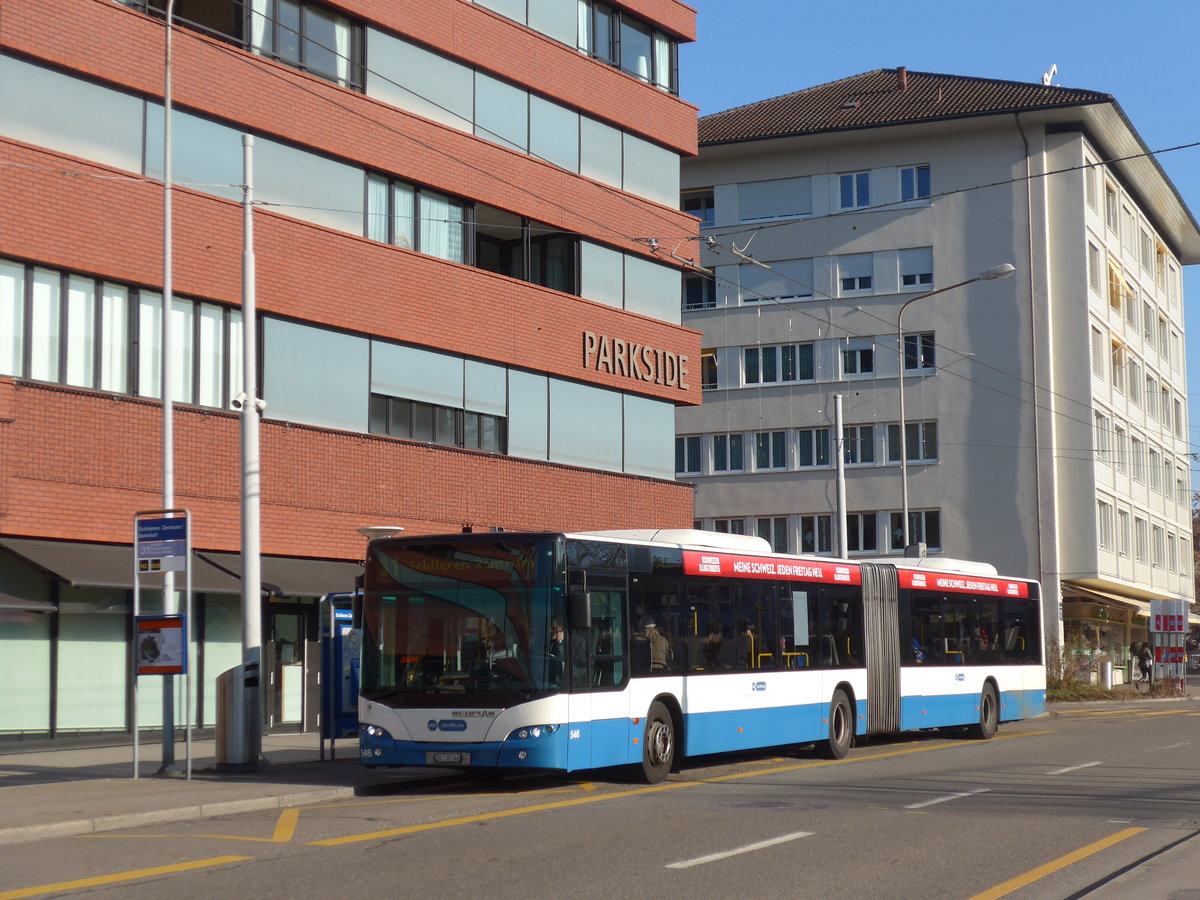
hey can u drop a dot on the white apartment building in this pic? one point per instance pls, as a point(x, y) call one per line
point(1045, 413)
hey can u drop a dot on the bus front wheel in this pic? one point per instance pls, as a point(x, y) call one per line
point(841, 726)
point(658, 744)
point(989, 714)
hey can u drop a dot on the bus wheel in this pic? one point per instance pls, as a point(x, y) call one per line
point(989, 714)
point(841, 727)
point(658, 744)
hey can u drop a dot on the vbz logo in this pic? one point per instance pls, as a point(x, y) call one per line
point(960, 677)
point(758, 686)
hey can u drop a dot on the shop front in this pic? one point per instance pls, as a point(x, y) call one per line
point(66, 619)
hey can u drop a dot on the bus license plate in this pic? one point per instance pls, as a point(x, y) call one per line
point(447, 758)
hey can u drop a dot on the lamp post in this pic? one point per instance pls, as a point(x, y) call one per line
point(1001, 271)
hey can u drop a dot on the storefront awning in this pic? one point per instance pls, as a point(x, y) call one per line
point(11, 603)
point(108, 565)
point(290, 577)
point(1141, 607)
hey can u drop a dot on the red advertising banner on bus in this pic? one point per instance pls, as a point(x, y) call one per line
point(965, 584)
point(700, 562)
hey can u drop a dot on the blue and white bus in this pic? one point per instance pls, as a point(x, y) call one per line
point(499, 651)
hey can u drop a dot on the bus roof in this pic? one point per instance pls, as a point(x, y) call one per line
point(685, 537)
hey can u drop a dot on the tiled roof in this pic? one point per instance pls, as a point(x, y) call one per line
point(884, 97)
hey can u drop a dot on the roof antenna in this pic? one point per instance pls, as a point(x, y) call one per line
point(1048, 77)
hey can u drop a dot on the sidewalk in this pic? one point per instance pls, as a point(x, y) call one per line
point(63, 792)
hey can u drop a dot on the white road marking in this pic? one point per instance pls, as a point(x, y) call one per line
point(749, 848)
point(945, 799)
point(1074, 768)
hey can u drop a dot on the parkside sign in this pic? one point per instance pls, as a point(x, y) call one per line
point(640, 362)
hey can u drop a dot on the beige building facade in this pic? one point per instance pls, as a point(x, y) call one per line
point(1045, 414)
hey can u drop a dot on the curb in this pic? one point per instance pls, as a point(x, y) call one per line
point(24, 834)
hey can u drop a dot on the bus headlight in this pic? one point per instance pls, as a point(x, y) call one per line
point(374, 731)
point(533, 731)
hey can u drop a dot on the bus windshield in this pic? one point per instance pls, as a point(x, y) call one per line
point(468, 623)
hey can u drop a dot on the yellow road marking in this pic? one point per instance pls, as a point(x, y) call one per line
point(285, 827)
point(118, 877)
point(1165, 712)
point(1055, 865)
point(653, 789)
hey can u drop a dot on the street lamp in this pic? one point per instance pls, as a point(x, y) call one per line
point(1001, 271)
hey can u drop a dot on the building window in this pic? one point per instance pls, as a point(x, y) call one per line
point(1115, 287)
point(687, 455)
point(919, 352)
point(729, 526)
point(780, 198)
point(1152, 396)
point(728, 453)
point(769, 365)
point(1098, 354)
point(1149, 323)
point(914, 183)
point(1128, 230)
point(1154, 470)
point(1137, 459)
point(861, 533)
point(812, 447)
point(816, 534)
point(1103, 437)
point(920, 442)
point(1104, 524)
point(628, 43)
point(1112, 208)
point(916, 268)
point(770, 450)
point(1118, 365)
point(1123, 533)
point(855, 273)
point(774, 530)
point(1095, 276)
point(416, 219)
point(1146, 252)
point(699, 292)
point(924, 526)
point(98, 335)
point(1120, 448)
point(859, 444)
point(1141, 539)
point(433, 424)
point(855, 190)
point(700, 204)
point(1134, 383)
point(858, 361)
point(1090, 182)
point(1129, 298)
point(1157, 535)
point(708, 370)
point(308, 36)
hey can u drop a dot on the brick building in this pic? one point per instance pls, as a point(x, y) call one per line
point(461, 322)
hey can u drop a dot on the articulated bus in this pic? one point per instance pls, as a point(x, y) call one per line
point(501, 651)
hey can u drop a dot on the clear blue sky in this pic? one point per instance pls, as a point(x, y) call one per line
point(1145, 55)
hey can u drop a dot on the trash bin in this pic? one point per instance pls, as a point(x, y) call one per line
point(1106, 675)
point(239, 736)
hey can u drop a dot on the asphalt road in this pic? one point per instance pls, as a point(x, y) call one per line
point(1050, 808)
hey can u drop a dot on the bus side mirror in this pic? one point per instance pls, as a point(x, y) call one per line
point(581, 609)
point(356, 608)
